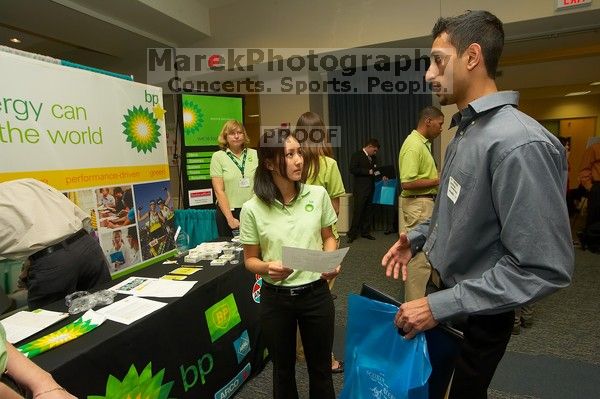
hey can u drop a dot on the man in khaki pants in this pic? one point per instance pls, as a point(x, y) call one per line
point(419, 180)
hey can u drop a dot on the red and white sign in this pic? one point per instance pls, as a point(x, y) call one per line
point(568, 4)
point(200, 197)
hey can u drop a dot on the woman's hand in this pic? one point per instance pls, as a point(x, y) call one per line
point(233, 223)
point(277, 271)
point(332, 274)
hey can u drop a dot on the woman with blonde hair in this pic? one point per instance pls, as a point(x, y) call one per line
point(320, 169)
point(232, 172)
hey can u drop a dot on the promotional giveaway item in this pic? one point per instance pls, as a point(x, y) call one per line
point(86, 323)
point(380, 363)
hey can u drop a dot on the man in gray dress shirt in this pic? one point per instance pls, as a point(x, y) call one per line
point(499, 235)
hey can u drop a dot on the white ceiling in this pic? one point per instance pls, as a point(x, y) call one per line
point(109, 34)
point(114, 35)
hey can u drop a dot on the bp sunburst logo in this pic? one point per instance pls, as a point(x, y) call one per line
point(65, 334)
point(137, 386)
point(193, 118)
point(141, 129)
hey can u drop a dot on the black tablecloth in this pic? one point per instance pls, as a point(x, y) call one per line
point(173, 345)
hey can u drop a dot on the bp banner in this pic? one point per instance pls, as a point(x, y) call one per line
point(99, 139)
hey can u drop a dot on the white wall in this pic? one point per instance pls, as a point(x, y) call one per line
point(282, 108)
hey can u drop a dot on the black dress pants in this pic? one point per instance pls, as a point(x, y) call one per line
point(222, 225)
point(78, 266)
point(486, 337)
point(484, 344)
point(313, 312)
point(361, 215)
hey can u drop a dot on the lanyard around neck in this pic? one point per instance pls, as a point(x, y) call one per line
point(234, 159)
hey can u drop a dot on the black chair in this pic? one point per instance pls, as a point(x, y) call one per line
point(443, 345)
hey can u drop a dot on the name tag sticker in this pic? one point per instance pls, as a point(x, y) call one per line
point(453, 190)
point(244, 182)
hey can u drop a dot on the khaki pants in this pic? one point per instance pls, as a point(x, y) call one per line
point(413, 211)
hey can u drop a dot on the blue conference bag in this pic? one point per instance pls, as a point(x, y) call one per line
point(385, 192)
point(379, 362)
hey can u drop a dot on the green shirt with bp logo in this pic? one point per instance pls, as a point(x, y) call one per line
point(296, 225)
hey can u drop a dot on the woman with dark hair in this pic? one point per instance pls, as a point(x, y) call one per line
point(232, 174)
point(285, 212)
point(320, 169)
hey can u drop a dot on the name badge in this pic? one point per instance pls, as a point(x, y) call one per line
point(245, 182)
point(453, 190)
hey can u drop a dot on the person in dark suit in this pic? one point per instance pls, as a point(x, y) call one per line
point(363, 166)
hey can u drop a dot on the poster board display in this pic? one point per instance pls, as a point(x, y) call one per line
point(201, 119)
point(98, 139)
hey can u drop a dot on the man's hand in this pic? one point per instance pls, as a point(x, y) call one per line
point(414, 317)
point(397, 257)
point(277, 271)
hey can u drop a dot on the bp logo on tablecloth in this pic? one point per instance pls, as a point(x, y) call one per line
point(141, 129)
point(221, 317)
point(134, 385)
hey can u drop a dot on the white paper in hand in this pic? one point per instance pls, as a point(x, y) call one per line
point(312, 260)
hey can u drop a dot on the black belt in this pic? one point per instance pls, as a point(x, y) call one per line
point(294, 291)
point(57, 246)
point(432, 196)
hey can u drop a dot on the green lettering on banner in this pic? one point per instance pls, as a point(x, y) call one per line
point(87, 136)
point(221, 317)
point(198, 160)
point(203, 167)
point(198, 172)
point(199, 177)
point(200, 154)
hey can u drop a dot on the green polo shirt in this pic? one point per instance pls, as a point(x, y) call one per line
point(296, 225)
point(221, 165)
point(3, 354)
point(330, 178)
point(416, 162)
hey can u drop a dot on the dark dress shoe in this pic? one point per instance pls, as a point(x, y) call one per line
point(350, 239)
point(387, 233)
point(368, 236)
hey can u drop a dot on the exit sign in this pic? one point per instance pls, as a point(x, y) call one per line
point(568, 4)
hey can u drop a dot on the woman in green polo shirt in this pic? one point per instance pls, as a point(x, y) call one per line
point(285, 212)
point(320, 169)
point(232, 172)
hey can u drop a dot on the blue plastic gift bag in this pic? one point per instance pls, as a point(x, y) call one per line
point(385, 192)
point(379, 362)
